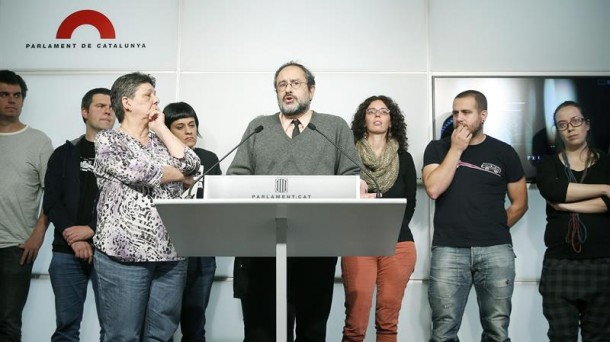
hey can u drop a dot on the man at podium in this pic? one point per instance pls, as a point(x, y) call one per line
point(288, 147)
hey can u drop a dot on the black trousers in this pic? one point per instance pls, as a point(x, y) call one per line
point(14, 288)
point(310, 291)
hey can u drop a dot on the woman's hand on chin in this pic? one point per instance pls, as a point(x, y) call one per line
point(156, 120)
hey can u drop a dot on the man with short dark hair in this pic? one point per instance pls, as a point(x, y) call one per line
point(469, 175)
point(24, 152)
point(69, 202)
point(287, 147)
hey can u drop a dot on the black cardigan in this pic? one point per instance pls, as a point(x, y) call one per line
point(553, 185)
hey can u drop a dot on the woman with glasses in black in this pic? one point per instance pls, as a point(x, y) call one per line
point(575, 280)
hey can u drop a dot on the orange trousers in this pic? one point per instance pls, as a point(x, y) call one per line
point(391, 275)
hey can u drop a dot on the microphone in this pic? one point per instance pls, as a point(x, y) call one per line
point(377, 192)
point(198, 179)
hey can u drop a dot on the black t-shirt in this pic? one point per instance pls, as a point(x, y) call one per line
point(471, 212)
point(88, 185)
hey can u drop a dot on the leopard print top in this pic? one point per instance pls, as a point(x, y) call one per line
point(129, 175)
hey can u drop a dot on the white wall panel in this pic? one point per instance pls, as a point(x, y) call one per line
point(223, 316)
point(53, 102)
point(528, 237)
point(339, 35)
point(225, 103)
point(521, 35)
point(145, 35)
point(421, 234)
point(39, 312)
point(41, 304)
point(224, 267)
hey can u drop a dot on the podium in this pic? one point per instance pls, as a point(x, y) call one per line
point(281, 227)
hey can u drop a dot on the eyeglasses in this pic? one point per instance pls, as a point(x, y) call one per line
point(574, 122)
point(294, 84)
point(380, 111)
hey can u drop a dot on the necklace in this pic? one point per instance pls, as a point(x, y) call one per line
point(577, 230)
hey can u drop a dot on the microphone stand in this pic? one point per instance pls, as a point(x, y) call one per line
point(377, 192)
point(198, 179)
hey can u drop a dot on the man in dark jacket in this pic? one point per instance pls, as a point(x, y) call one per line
point(69, 202)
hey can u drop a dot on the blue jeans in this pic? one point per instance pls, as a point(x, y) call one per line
point(453, 271)
point(14, 288)
point(139, 301)
point(195, 298)
point(69, 279)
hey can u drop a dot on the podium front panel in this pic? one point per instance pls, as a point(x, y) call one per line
point(281, 187)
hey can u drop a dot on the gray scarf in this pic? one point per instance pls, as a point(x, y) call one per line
point(384, 169)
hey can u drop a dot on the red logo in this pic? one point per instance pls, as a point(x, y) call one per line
point(86, 17)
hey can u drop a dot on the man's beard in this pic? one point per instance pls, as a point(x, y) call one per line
point(477, 129)
point(300, 109)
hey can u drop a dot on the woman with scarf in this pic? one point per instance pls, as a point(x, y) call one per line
point(380, 134)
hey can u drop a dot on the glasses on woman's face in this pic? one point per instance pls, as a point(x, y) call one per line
point(375, 111)
point(574, 122)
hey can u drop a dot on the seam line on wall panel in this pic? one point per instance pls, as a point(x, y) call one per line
point(350, 72)
point(517, 73)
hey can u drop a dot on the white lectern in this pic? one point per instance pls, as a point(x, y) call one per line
point(280, 223)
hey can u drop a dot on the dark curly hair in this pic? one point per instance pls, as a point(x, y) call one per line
point(398, 129)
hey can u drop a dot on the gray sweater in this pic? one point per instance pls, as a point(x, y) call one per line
point(272, 152)
point(24, 163)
